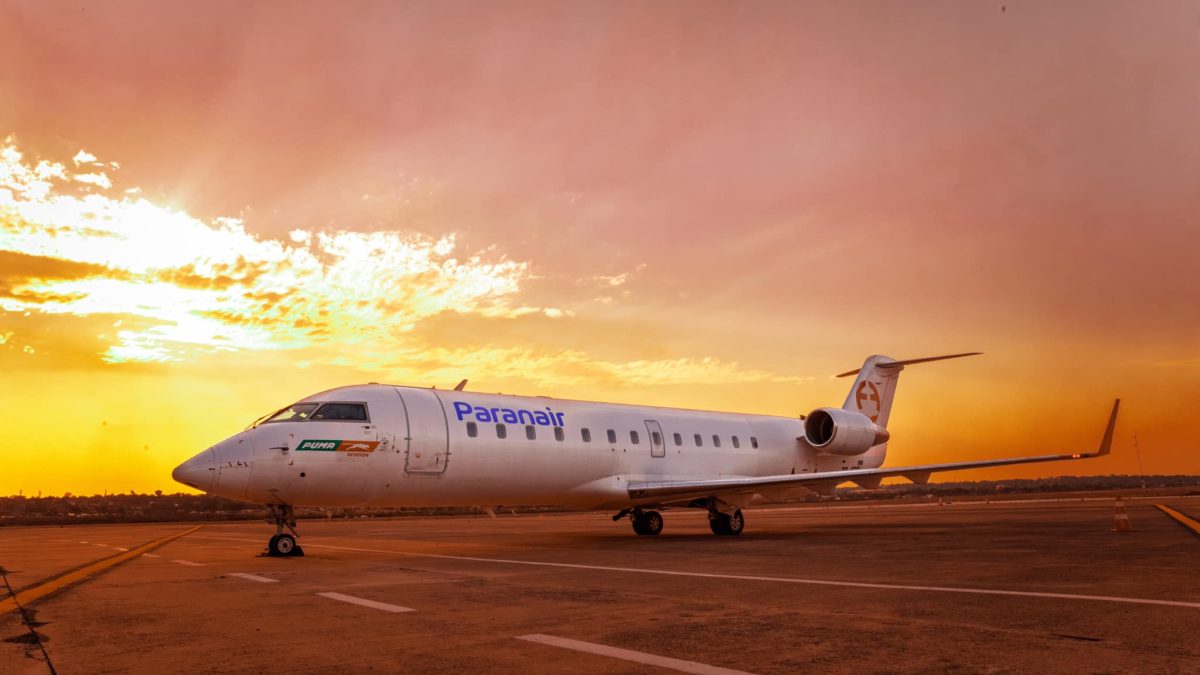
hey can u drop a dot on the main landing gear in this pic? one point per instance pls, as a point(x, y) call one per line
point(647, 522)
point(726, 524)
point(283, 543)
point(644, 522)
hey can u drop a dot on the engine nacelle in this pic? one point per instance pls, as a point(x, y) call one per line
point(842, 432)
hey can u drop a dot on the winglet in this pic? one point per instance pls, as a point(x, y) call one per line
point(460, 386)
point(909, 362)
point(1106, 443)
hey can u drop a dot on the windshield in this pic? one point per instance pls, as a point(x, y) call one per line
point(297, 412)
point(356, 412)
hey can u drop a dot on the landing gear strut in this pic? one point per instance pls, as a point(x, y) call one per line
point(646, 522)
point(726, 524)
point(283, 543)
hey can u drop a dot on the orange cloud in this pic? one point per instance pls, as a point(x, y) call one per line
point(184, 287)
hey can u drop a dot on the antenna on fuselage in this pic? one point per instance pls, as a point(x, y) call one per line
point(460, 385)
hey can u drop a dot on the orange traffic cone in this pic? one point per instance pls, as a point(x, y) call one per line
point(1120, 518)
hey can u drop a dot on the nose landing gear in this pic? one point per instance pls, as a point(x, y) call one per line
point(283, 544)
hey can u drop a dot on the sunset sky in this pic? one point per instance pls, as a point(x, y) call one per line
point(210, 210)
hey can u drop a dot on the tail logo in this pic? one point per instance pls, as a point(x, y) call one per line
point(867, 393)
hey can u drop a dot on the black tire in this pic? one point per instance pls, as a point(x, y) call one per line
point(637, 525)
point(652, 523)
point(283, 544)
point(736, 523)
point(717, 523)
point(648, 523)
point(726, 525)
point(271, 545)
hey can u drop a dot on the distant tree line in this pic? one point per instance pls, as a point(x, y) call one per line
point(159, 507)
point(1026, 486)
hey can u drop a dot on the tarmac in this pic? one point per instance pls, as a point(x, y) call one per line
point(1009, 586)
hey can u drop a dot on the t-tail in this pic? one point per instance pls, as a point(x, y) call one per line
point(875, 387)
point(859, 427)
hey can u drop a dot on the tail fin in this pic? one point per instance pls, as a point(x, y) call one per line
point(875, 387)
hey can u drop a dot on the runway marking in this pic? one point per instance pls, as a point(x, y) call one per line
point(50, 585)
point(120, 548)
point(151, 555)
point(750, 577)
point(1183, 520)
point(373, 604)
point(630, 655)
point(254, 577)
point(188, 563)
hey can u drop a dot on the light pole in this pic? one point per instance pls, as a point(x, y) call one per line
point(1138, 451)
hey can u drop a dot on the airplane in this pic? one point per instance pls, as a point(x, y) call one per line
point(395, 446)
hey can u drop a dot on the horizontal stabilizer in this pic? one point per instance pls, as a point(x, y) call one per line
point(909, 362)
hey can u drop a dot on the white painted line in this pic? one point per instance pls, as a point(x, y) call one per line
point(254, 577)
point(151, 555)
point(189, 563)
point(747, 577)
point(100, 545)
point(373, 604)
point(120, 548)
point(630, 655)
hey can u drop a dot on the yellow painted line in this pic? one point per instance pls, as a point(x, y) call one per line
point(1190, 524)
point(41, 590)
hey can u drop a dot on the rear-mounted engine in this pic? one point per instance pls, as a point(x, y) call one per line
point(842, 432)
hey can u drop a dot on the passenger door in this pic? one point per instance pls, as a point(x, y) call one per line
point(658, 446)
point(428, 443)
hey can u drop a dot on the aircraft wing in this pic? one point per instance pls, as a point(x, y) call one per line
point(680, 490)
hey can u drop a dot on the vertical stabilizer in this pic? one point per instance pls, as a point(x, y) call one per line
point(874, 388)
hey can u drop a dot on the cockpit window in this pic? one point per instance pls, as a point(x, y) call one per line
point(297, 412)
point(354, 412)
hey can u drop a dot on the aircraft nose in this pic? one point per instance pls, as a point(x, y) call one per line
point(198, 471)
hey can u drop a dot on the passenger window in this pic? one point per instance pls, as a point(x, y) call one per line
point(678, 440)
point(633, 438)
point(736, 442)
point(699, 441)
point(753, 442)
point(558, 433)
point(716, 441)
point(342, 412)
point(612, 436)
point(587, 435)
point(472, 430)
point(530, 432)
point(501, 431)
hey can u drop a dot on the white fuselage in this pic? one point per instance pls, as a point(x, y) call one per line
point(427, 447)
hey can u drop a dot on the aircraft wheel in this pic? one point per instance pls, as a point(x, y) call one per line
point(283, 544)
point(652, 523)
point(648, 523)
point(726, 524)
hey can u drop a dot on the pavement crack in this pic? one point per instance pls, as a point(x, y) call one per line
point(1080, 638)
point(33, 638)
